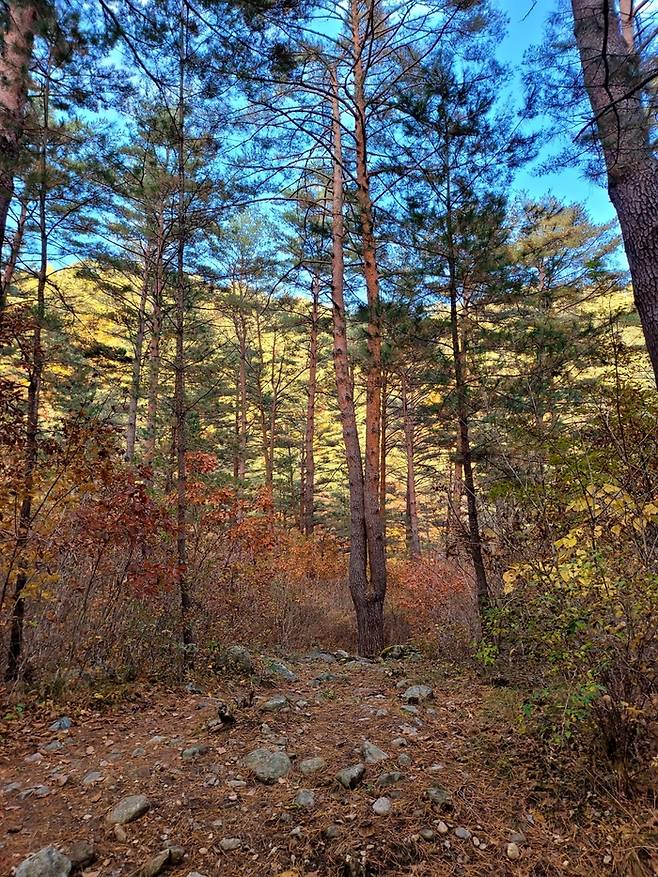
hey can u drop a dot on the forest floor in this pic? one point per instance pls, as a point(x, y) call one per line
point(57, 787)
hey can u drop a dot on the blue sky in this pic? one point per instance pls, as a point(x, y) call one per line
point(527, 19)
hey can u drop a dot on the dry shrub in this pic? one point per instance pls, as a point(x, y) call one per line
point(432, 601)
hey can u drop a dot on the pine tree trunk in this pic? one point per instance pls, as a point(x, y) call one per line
point(32, 430)
point(12, 259)
point(308, 478)
point(179, 366)
point(368, 608)
point(15, 57)
point(135, 383)
point(383, 452)
point(154, 351)
point(613, 77)
point(412, 506)
point(373, 517)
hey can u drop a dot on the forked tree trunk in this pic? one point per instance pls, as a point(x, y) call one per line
point(412, 505)
point(615, 83)
point(15, 57)
point(308, 472)
point(373, 516)
point(367, 605)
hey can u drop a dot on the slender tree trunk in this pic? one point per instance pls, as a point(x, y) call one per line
point(613, 78)
point(454, 526)
point(412, 506)
point(242, 401)
point(308, 480)
point(368, 606)
point(15, 57)
point(135, 384)
point(12, 259)
point(154, 349)
point(32, 430)
point(179, 362)
point(383, 452)
point(373, 516)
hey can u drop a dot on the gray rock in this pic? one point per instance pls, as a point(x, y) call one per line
point(324, 677)
point(462, 833)
point(342, 655)
point(138, 752)
point(82, 853)
point(275, 703)
point(305, 798)
point(61, 724)
point(312, 765)
point(389, 778)
point(404, 760)
point(240, 659)
point(327, 657)
point(268, 766)
point(400, 652)
point(193, 752)
point(512, 851)
point(156, 864)
point(282, 671)
point(412, 710)
point(439, 795)
point(382, 806)
point(517, 837)
point(230, 843)
point(371, 753)
point(427, 834)
point(442, 828)
point(331, 832)
point(350, 777)
point(48, 862)
point(418, 693)
point(94, 776)
point(53, 746)
point(399, 742)
point(128, 809)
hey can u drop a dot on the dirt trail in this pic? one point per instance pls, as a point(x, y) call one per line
point(58, 787)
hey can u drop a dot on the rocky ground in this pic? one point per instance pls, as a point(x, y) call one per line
point(326, 766)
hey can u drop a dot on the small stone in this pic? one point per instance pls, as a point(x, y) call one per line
point(442, 828)
point(193, 752)
point(518, 838)
point(267, 766)
point(324, 677)
point(404, 760)
point(513, 851)
point(296, 832)
point(439, 795)
point(427, 834)
point(462, 833)
point(61, 724)
point(139, 752)
point(607, 859)
point(191, 688)
point(128, 809)
point(154, 865)
point(382, 806)
point(157, 740)
point(274, 704)
point(239, 658)
point(371, 753)
point(312, 765)
point(398, 743)
point(281, 670)
point(120, 834)
point(418, 693)
point(54, 746)
point(48, 862)
point(195, 874)
point(331, 832)
point(82, 853)
point(94, 776)
point(305, 798)
point(412, 710)
point(389, 778)
point(237, 784)
point(35, 758)
point(327, 657)
point(230, 843)
point(350, 777)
